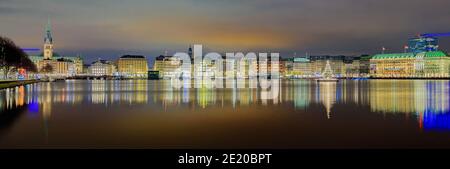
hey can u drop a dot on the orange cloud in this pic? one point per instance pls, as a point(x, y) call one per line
point(207, 31)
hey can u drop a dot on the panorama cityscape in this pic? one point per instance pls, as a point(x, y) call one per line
point(421, 58)
point(414, 82)
point(208, 78)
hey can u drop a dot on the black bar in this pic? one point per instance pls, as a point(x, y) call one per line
point(132, 158)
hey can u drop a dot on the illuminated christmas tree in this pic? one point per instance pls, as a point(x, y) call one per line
point(327, 73)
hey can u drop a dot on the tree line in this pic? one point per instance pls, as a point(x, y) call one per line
point(12, 58)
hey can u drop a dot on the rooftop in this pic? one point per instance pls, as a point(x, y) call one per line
point(160, 57)
point(301, 60)
point(410, 55)
point(63, 60)
point(102, 61)
point(133, 56)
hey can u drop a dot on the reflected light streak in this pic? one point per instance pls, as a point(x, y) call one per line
point(427, 100)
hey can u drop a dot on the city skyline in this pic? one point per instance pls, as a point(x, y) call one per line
point(224, 83)
point(97, 30)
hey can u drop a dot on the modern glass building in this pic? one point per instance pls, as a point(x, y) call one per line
point(423, 44)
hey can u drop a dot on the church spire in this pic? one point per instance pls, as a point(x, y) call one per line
point(48, 33)
point(48, 41)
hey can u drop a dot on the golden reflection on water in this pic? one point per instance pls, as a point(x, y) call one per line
point(328, 98)
point(386, 96)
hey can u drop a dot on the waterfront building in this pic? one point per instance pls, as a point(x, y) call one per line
point(267, 65)
point(336, 63)
point(61, 66)
point(351, 67)
point(39, 61)
point(364, 65)
point(302, 67)
point(434, 64)
point(102, 68)
point(313, 66)
point(169, 67)
point(286, 66)
point(166, 65)
point(85, 69)
point(158, 64)
point(153, 75)
point(203, 68)
point(230, 68)
point(72, 65)
point(64, 67)
point(132, 66)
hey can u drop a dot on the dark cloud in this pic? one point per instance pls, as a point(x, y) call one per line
point(316, 26)
point(7, 10)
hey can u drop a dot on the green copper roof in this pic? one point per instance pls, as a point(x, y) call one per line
point(409, 55)
point(72, 58)
point(436, 54)
point(287, 59)
point(366, 57)
point(301, 60)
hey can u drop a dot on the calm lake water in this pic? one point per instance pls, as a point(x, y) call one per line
point(152, 114)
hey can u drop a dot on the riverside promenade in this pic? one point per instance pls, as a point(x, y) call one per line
point(13, 83)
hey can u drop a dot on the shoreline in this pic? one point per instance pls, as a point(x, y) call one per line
point(411, 78)
point(15, 83)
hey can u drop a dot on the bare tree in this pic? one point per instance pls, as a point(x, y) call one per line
point(13, 57)
point(47, 68)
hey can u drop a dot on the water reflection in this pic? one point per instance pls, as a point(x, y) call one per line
point(14, 98)
point(328, 97)
point(427, 100)
point(12, 105)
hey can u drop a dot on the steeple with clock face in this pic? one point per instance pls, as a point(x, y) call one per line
point(48, 42)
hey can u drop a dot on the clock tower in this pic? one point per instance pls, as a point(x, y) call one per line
point(48, 42)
